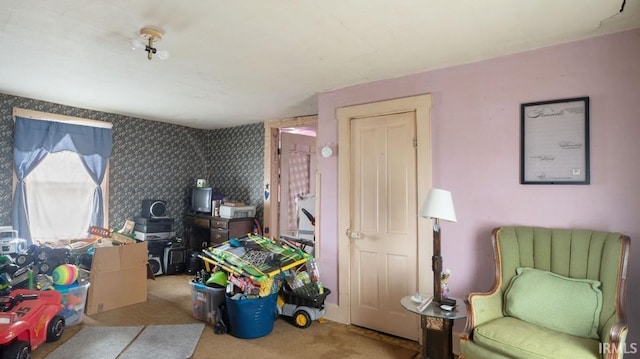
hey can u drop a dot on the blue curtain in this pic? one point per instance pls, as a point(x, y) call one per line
point(34, 139)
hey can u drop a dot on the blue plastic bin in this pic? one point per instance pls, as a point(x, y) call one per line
point(252, 318)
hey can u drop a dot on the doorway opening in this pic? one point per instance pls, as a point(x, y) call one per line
point(289, 173)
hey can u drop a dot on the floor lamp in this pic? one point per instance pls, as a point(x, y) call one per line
point(438, 205)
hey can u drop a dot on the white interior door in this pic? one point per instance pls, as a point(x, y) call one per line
point(297, 176)
point(383, 222)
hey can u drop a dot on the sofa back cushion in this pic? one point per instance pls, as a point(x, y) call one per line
point(573, 253)
point(556, 302)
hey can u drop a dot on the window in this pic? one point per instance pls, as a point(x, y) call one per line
point(60, 184)
point(59, 198)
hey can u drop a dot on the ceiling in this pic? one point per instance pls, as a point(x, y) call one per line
point(249, 61)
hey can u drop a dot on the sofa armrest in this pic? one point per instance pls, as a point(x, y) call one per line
point(614, 334)
point(481, 308)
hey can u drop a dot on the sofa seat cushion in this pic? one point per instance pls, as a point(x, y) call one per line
point(519, 339)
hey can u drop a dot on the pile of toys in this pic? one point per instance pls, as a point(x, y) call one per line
point(42, 290)
point(257, 268)
point(36, 263)
point(39, 262)
point(45, 268)
point(31, 312)
point(255, 265)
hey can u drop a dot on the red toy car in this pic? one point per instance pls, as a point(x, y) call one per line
point(28, 318)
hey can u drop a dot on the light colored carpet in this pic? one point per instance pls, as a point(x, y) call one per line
point(96, 342)
point(135, 342)
point(170, 302)
point(165, 342)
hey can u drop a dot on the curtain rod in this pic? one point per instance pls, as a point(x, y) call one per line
point(37, 115)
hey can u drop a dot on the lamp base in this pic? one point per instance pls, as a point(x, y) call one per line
point(436, 263)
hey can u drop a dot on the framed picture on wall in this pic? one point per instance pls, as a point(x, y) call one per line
point(554, 142)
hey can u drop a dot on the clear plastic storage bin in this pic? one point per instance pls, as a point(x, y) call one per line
point(74, 298)
point(206, 301)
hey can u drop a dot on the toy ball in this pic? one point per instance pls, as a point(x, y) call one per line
point(65, 274)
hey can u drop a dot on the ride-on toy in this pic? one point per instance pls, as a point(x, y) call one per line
point(28, 318)
point(304, 305)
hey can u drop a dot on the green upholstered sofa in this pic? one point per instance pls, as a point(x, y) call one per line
point(558, 293)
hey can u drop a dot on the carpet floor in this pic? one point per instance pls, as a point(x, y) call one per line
point(135, 342)
point(169, 302)
point(108, 341)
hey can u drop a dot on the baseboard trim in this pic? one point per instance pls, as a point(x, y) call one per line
point(332, 313)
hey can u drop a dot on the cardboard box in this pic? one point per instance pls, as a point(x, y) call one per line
point(118, 277)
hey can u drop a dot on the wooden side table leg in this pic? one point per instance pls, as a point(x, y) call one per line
point(423, 325)
point(437, 338)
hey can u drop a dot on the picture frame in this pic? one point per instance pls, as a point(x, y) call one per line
point(554, 142)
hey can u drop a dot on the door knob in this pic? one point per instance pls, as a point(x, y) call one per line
point(353, 234)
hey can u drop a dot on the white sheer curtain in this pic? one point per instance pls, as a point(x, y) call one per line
point(60, 198)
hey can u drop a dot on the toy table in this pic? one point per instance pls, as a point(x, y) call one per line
point(253, 256)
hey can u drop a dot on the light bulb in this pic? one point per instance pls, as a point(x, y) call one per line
point(137, 45)
point(162, 54)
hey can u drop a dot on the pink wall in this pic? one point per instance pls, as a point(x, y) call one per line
point(475, 141)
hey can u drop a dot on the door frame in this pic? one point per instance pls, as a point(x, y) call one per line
point(421, 106)
point(271, 172)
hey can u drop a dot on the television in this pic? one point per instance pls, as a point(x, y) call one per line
point(201, 199)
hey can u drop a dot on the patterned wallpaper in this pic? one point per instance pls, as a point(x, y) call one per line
point(236, 156)
point(154, 160)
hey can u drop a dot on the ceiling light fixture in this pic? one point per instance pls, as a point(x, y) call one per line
point(151, 36)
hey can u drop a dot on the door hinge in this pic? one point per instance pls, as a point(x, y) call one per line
point(415, 142)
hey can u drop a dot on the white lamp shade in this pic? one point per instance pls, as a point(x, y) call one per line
point(439, 204)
